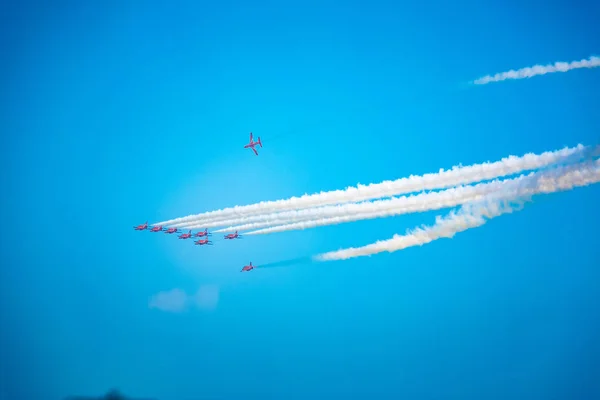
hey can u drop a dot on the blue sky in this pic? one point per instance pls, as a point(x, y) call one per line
point(117, 114)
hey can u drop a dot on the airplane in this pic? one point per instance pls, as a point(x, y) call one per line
point(252, 144)
point(185, 235)
point(171, 230)
point(248, 267)
point(203, 242)
point(156, 228)
point(142, 227)
point(233, 236)
point(202, 233)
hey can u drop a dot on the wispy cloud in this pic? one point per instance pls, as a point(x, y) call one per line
point(207, 297)
point(177, 300)
point(458, 175)
point(530, 72)
point(476, 214)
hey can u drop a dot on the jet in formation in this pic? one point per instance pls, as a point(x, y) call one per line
point(253, 144)
point(185, 235)
point(141, 227)
point(235, 235)
point(203, 242)
point(202, 233)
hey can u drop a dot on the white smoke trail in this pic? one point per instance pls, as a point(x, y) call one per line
point(458, 175)
point(418, 203)
point(529, 72)
point(331, 215)
point(474, 215)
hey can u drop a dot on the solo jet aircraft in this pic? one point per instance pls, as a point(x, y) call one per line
point(248, 267)
point(252, 144)
point(233, 236)
point(202, 242)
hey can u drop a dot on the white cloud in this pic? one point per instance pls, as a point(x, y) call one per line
point(177, 300)
point(174, 300)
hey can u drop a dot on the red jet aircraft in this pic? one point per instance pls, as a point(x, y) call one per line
point(142, 227)
point(171, 230)
point(185, 235)
point(202, 242)
point(248, 267)
point(252, 144)
point(202, 233)
point(156, 228)
point(233, 236)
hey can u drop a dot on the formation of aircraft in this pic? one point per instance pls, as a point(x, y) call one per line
point(200, 234)
point(200, 242)
point(204, 234)
point(253, 144)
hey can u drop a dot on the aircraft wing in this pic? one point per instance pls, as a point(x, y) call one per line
point(250, 137)
point(254, 150)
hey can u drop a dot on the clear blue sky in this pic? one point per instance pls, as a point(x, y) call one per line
point(114, 113)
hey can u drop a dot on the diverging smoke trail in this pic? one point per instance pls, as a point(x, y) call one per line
point(416, 203)
point(332, 215)
point(458, 175)
point(476, 214)
point(529, 72)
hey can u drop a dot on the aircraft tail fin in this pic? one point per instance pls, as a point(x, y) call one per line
point(259, 142)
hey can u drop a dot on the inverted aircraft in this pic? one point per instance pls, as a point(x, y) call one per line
point(252, 144)
point(233, 236)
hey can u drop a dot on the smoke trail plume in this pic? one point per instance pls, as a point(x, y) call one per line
point(416, 203)
point(529, 72)
point(474, 215)
point(458, 175)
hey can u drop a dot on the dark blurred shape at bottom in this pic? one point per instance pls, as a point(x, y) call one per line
point(111, 395)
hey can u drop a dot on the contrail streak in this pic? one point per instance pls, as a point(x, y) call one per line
point(416, 203)
point(286, 263)
point(474, 215)
point(458, 175)
point(529, 72)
